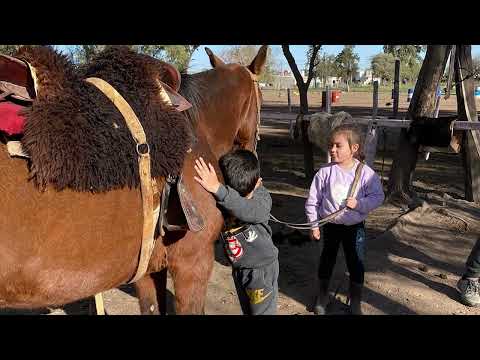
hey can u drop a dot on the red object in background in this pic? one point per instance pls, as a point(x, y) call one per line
point(10, 121)
point(335, 96)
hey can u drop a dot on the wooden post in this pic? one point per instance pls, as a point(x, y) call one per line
point(396, 88)
point(371, 140)
point(289, 100)
point(328, 99)
point(437, 105)
point(435, 115)
point(467, 111)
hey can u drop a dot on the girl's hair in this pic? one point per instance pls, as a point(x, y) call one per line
point(353, 135)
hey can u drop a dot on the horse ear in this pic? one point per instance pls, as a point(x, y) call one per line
point(214, 60)
point(258, 63)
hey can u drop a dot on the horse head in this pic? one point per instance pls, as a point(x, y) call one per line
point(246, 77)
point(226, 102)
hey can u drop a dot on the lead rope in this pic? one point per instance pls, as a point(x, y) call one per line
point(328, 218)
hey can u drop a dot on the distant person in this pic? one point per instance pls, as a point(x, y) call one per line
point(469, 284)
point(247, 236)
point(328, 193)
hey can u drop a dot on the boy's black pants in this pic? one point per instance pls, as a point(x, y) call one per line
point(352, 238)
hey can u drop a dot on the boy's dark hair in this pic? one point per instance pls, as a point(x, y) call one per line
point(241, 170)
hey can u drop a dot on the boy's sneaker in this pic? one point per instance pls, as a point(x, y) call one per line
point(469, 291)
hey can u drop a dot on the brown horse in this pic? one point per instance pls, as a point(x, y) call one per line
point(58, 242)
point(60, 246)
point(226, 102)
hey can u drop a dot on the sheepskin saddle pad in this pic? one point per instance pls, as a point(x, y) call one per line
point(75, 136)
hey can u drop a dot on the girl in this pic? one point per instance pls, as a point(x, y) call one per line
point(328, 193)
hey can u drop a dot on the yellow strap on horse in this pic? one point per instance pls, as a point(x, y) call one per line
point(148, 185)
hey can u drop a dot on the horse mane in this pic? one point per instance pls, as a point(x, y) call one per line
point(77, 138)
point(194, 88)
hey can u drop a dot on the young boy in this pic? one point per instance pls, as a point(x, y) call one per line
point(247, 236)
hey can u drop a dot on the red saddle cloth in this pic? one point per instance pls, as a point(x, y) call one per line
point(10, 121)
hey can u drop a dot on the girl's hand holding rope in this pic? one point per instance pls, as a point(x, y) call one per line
point(315, 234)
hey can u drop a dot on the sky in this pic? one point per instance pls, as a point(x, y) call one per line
point(365, 52)
point(200, 60)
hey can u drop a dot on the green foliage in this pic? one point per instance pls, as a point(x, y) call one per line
point(9, 49)
point(383, 66)
point(410, 60)
point(408, 54)
point(346, 63)
point(325, 66)
point(177, 55)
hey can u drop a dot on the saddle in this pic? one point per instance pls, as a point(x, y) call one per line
point(177, 208)
point(18, 90)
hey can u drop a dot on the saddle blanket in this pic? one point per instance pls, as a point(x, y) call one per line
point(10, 121)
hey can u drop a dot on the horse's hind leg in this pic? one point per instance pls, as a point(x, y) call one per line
point(151, 293)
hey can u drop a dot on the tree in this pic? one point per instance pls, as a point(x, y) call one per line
point(422, 104)
point(347, 64)
point(81, 54)
point(9, 49)
point(177, 55)
point(303, 89)
point(383, 66)
point(409, 56)
point(467, 111)
point(243, 54)
point(325, 66)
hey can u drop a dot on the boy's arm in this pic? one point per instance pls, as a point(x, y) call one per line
point(374, 195)
point(255, 210)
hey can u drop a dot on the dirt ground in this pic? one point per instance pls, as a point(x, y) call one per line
point(413, 259)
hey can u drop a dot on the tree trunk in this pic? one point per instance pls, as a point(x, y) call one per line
point(467, 111)
point(303, 126)
point(422, 104)
point(307, 145)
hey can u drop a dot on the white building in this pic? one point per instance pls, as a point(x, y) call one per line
point(365, 77)
point(284, 80)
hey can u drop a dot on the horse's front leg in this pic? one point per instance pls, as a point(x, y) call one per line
point(151, 293)
point(190, 276)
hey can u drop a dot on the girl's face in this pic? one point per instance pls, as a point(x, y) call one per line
point(340, 150)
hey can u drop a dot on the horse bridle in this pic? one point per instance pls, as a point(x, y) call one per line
point(257, 104)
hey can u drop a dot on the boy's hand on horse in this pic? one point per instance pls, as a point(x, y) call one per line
point(315, 234)
point(207, 176)
point(351, 203)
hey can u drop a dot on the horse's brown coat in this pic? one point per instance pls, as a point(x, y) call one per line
point(58, 247)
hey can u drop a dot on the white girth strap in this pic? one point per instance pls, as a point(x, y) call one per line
point(150, 198)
